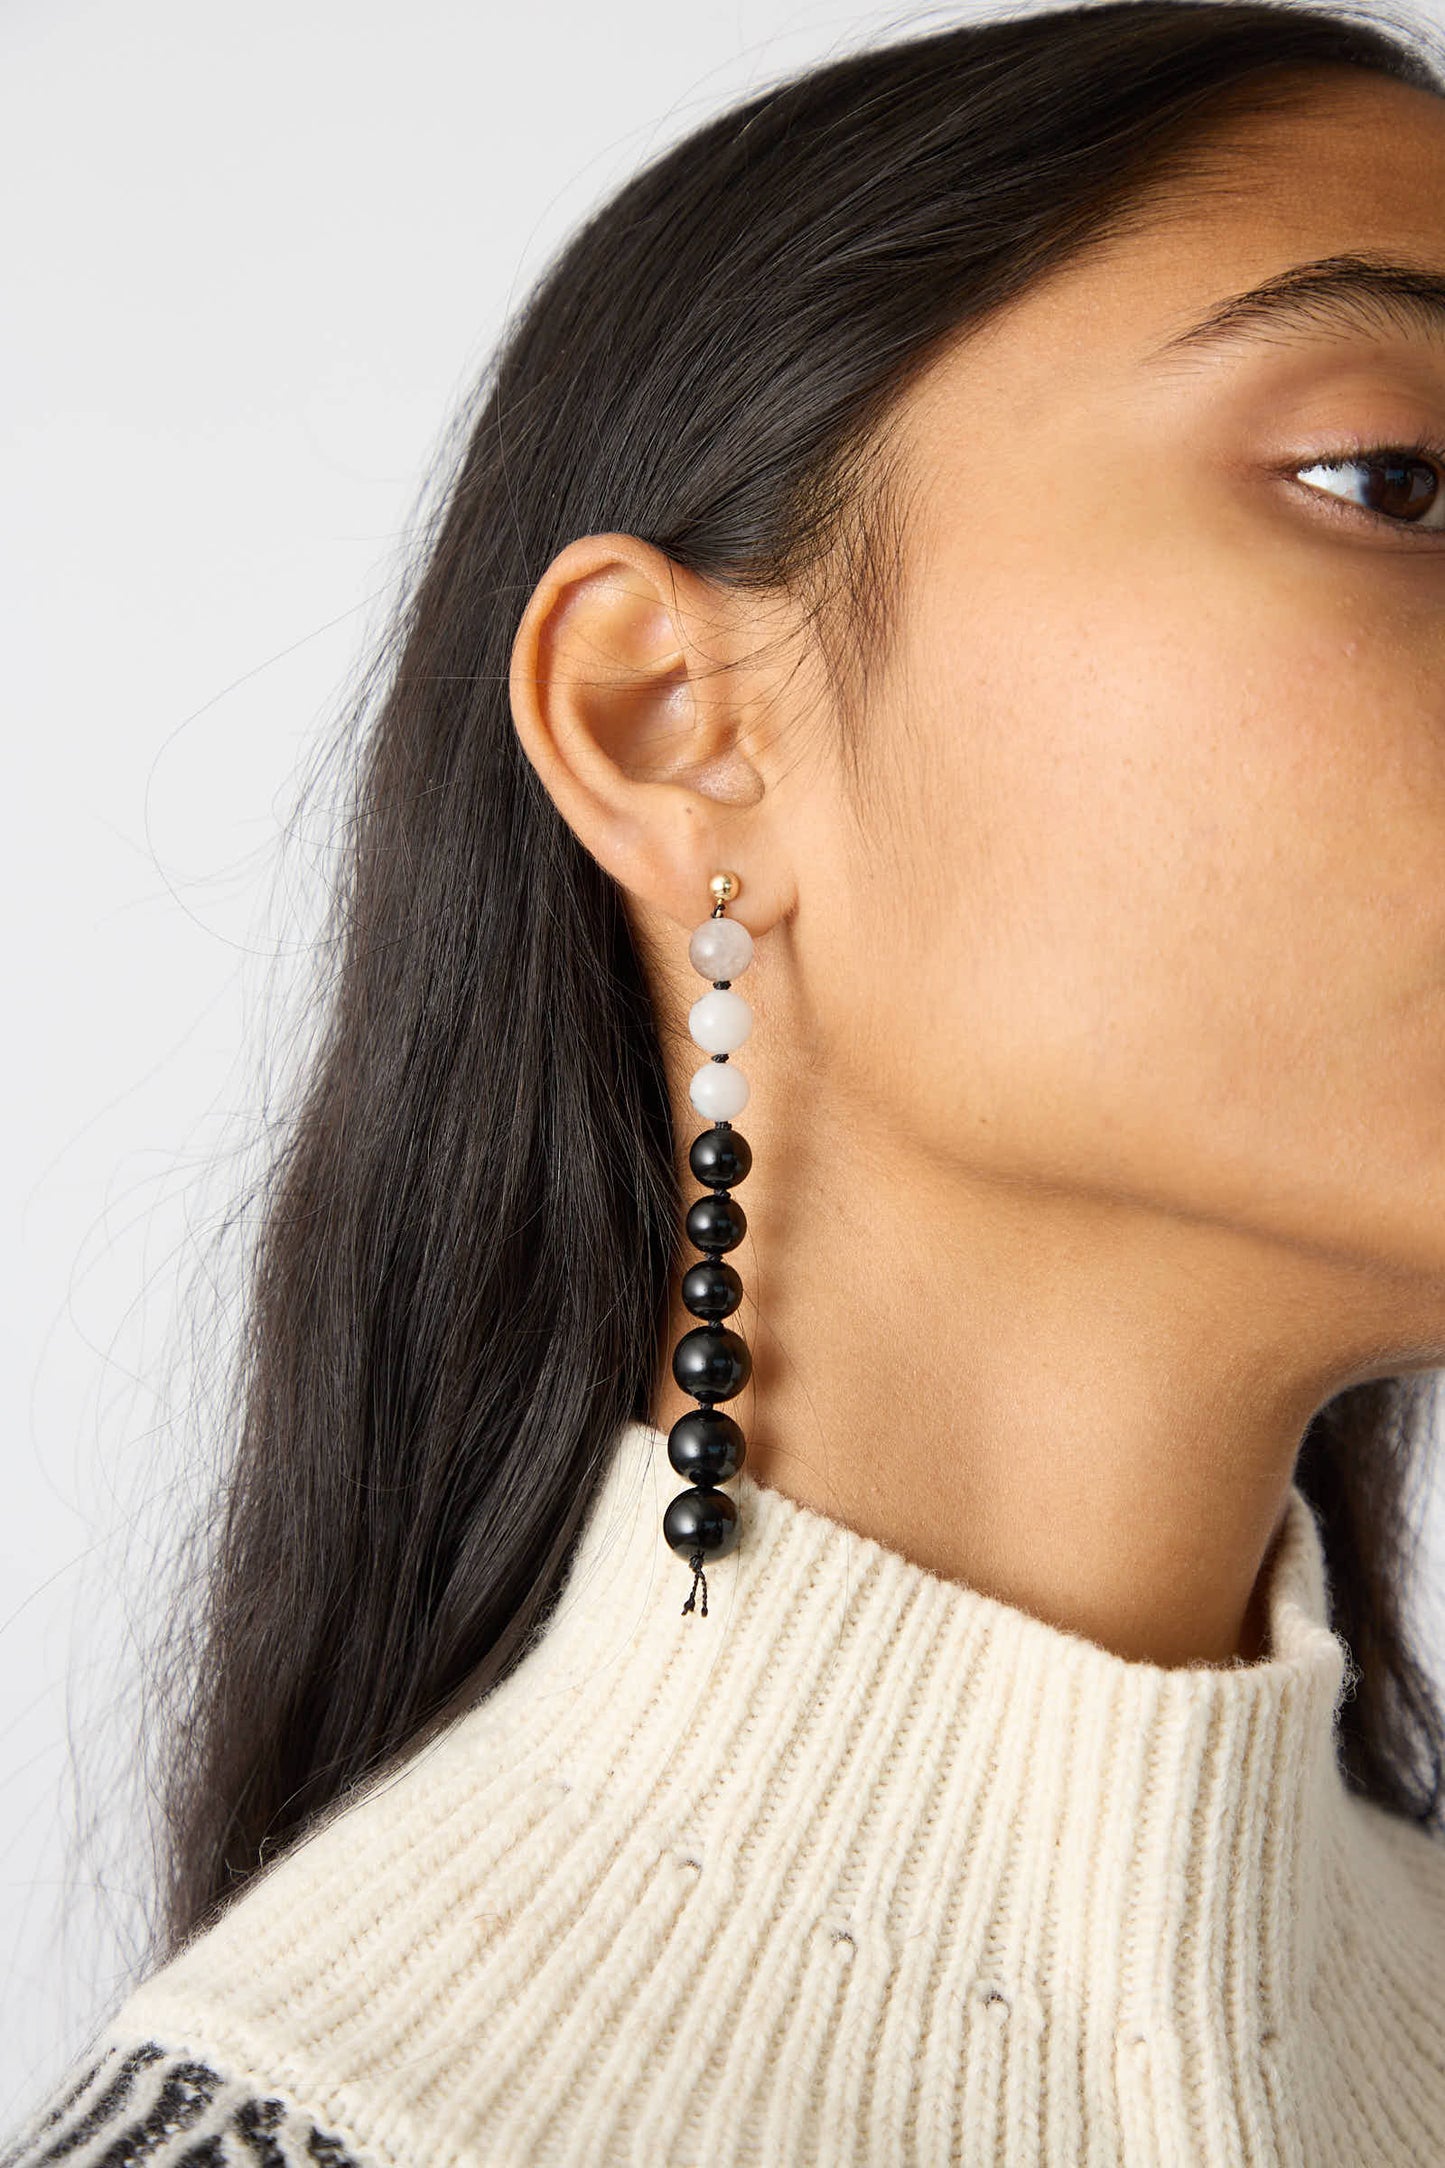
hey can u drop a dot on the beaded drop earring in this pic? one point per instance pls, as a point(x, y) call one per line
point(711, 1361)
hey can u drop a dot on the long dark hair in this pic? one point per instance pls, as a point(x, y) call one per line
point(459, 1284)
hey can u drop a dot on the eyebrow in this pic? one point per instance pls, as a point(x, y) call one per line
point(1342, 293)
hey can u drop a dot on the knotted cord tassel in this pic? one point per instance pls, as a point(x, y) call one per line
point(697, 1575)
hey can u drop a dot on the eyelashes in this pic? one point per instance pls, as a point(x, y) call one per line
point(1410, 478)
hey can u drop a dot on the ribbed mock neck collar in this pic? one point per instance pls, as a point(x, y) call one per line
point(865, 1866)
point(1152, 1842)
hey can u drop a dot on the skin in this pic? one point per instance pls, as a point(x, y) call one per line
point(1098, 1064)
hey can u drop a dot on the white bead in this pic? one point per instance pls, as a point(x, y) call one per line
point(720, 1021)
point(718, 1091)
point(720, 948)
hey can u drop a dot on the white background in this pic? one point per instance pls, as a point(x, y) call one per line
point(252, 257)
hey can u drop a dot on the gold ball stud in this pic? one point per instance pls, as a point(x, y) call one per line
point(723, 887)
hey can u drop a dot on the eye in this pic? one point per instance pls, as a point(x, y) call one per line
point(1402, 485)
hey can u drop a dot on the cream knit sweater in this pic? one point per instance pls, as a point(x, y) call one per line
point(863, 1867)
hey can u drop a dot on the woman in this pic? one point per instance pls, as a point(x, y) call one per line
point(951, 558)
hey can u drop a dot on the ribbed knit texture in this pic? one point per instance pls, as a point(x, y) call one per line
point(863, 1867)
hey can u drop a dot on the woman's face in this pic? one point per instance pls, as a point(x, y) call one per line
point(1148, 898)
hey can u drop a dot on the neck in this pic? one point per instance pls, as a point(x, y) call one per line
point(1080, 1407)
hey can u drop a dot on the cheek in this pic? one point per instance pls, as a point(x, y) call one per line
point(1175, 868)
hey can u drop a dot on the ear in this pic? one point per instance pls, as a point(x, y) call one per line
point(633, 700)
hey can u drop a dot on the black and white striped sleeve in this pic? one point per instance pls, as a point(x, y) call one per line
point(149, 2106)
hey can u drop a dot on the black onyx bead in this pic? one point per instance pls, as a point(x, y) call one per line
point(715, 1223)
point(706, 1446)
point(701, 1520)
point(712, 1289)
point(712, 1363)
point(719, 1157)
